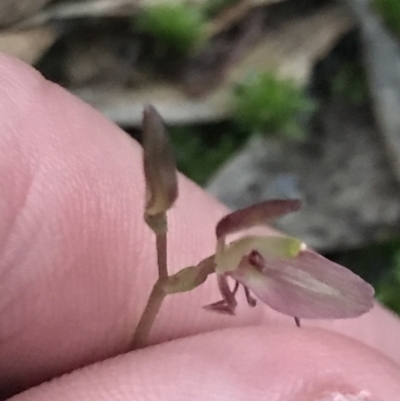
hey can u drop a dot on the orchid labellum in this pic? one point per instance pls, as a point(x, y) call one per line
point(282, 272)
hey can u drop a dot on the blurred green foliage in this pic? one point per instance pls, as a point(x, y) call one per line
point(390, 11)
point(179, 27)
point(201, 150)
point(263, 103)
point(266, 103)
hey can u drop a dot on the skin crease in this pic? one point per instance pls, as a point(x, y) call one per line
point(77, 264)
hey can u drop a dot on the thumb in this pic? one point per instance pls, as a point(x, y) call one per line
point(238, 364)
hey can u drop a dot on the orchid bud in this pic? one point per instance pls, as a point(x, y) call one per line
point(159, 169)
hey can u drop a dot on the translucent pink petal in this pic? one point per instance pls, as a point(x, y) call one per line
point(307, 286)
point(258, 214)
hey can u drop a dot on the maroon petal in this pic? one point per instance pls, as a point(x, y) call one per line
point(258, 214)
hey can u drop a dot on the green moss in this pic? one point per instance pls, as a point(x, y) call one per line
point(178, 27)
point(390, 11)
point(268, 104)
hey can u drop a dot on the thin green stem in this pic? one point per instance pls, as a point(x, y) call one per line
point(149, 315)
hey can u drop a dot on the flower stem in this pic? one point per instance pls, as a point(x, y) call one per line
point(149, 315)
point(157, 294)
point(161, 244)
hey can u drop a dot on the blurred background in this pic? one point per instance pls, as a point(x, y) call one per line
point(263, 99)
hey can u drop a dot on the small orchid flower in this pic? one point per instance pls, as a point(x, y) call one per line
point(282, 272)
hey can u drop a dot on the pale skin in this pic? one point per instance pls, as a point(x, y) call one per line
point(77, 263)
